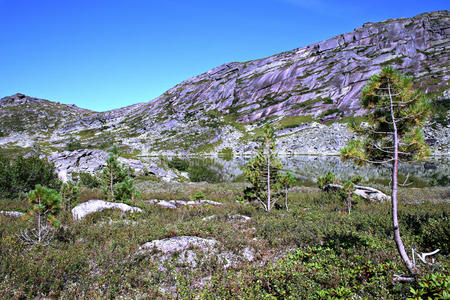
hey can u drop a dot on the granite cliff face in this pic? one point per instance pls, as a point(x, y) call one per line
point(321, 77)
point(303, 92)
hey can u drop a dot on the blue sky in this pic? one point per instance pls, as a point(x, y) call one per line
point(105, 54)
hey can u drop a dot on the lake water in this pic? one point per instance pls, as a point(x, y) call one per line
point(307, 168)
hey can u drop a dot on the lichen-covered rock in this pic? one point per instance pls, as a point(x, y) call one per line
point(230, 218)
point(82, 210)
point(192, 250)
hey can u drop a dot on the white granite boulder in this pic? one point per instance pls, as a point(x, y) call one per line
point(82, 210)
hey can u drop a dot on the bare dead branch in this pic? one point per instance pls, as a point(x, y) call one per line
point(404, 183)
point(387, 151)
point(371, 161)
point(422, 256)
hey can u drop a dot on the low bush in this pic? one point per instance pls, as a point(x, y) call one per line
point(197, 196)
point(331, 111)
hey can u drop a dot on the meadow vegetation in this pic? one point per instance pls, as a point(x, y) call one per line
point(315, 250)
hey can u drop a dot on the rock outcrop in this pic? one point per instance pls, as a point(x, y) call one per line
point(93, 161)
point(326, 77)
point(236, 218)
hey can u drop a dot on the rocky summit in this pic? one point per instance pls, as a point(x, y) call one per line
point(307, 93)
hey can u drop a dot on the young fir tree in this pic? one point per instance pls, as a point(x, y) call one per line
point(70, 194)
point(345, 191)
point(263, 172)
point(116, 179)
point(286, 181)
point(46, 205)
point(393, 133)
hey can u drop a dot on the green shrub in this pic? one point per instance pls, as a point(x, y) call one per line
point(21, 175)
point(437, 180)
point(432, 286)
point(330, 112)
point(329, 178)
point(439, 110)
point(197, 196)
point(328, 100)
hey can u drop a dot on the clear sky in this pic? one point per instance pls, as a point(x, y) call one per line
point(105, 54)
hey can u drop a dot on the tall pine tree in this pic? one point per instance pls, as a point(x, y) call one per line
point(393, 133)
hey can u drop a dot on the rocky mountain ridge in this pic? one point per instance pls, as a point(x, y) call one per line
point(307, 93)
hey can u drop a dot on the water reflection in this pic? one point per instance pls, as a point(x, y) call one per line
point(307, 168)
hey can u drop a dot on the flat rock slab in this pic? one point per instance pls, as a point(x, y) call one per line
point(239, 218)
point(180, 243)
point(230, 218)
point(180, 203)
point(186, 250)
point(82, 210)
point(14, 214)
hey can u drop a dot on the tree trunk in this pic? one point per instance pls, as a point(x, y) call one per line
point(349, 204)
point(39, 222)
point(397, 238)
point(285, 199)
point(269, 206)
point(111, 186)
